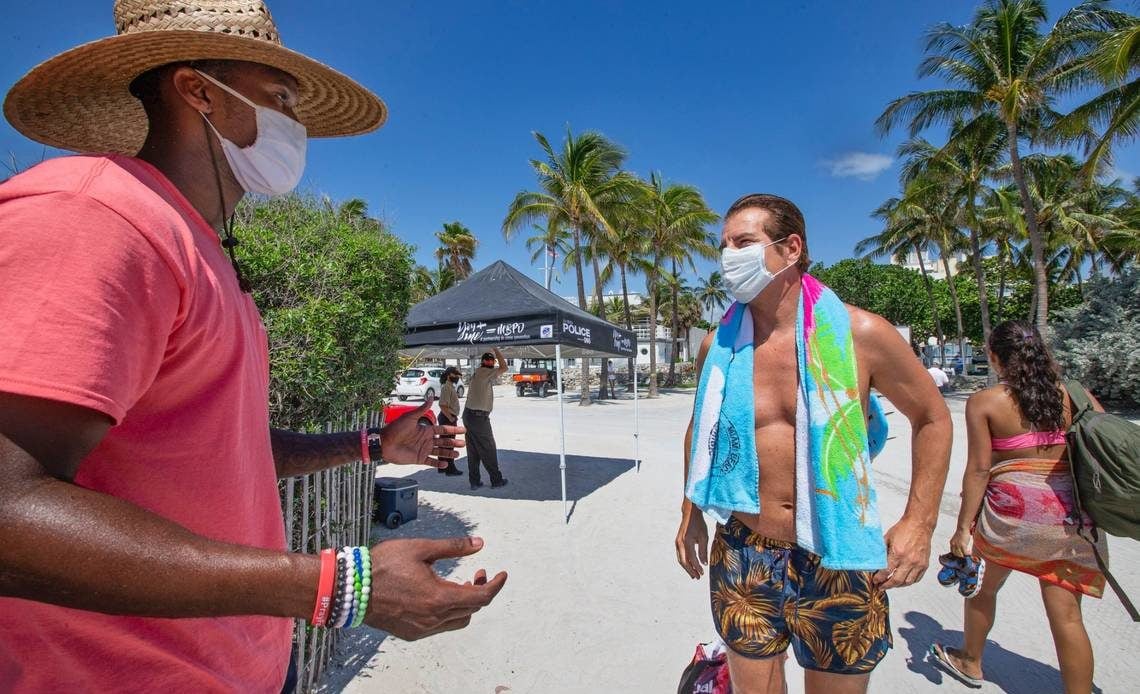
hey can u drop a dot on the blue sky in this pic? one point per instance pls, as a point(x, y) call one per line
point(730, 97)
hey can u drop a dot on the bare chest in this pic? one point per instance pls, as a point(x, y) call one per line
point(774, 382)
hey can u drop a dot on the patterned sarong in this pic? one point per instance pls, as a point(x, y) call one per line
point(1028, 523)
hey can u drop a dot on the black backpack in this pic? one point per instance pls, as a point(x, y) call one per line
point(1104, 454)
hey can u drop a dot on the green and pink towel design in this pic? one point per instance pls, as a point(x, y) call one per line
point(837, 515)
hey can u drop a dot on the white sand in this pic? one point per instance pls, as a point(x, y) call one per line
point(600, 605)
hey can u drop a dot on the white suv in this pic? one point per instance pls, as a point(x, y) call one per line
point(422, 382)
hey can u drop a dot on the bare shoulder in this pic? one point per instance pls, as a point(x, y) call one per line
point(984, 400)
point(703, 350)
point(871, 329)
point(706, 342)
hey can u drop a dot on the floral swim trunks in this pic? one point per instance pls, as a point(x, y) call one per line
point(767, 594)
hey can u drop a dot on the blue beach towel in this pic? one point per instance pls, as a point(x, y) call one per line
point(836, 509)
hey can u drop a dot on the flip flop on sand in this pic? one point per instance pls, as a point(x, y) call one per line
point(942, 660)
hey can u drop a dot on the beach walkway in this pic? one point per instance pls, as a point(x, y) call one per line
point(600, 604)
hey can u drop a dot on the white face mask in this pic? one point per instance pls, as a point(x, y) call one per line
point(273, 164)
point(744, 271)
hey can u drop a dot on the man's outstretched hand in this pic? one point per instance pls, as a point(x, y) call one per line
point(410, 601)
point(407, 442)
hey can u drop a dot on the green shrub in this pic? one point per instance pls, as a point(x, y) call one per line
point(333, 289)
point(1098, 342)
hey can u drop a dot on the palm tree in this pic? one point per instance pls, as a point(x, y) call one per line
point(970, 157)
point(594, 253)
point(903, 233)
point(712, 293)
point(1000, 64)
point(676, 216)
point(1074, 216)
point(576, 182)
point(940, 192)
point(670, 288)
point(355, 211)
point(624, 254)
point(1004, 220)
point(1122, 246)
point(548, 243)
point(1111, 55)
point(427, 283)
point(457, 249)
point(689, 314)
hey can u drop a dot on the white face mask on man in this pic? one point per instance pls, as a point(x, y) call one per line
point(273, 164)
point(744, 271)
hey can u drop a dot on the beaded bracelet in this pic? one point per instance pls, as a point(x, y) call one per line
point(365, 586)
point(356, 585)
point(337, 608)
point(346, 591)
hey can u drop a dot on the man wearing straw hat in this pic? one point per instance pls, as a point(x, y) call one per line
point(138, 472)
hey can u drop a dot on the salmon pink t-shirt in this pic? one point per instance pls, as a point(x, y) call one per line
point(117, 296)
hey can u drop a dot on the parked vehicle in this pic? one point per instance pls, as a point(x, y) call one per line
point(394, 410)
point(951, 361)
point(423, 382)
point(537, 376)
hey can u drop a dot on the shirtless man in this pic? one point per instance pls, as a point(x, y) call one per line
point(781, 578)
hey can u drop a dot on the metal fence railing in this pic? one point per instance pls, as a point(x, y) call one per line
point(331, 508)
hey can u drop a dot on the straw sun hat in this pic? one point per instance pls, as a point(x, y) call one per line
point(79, 100)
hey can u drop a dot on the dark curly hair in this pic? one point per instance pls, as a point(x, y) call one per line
point(1030, 372)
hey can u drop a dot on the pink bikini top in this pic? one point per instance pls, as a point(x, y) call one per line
point(1030, 439)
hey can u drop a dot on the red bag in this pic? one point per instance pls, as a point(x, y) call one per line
point(708, 671)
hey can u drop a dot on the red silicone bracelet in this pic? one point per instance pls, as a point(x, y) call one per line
point(324, 587)
point(364, 457)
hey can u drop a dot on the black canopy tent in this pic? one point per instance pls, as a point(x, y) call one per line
point(501, 307)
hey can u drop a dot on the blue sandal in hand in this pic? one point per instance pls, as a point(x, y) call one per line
point(967, 572)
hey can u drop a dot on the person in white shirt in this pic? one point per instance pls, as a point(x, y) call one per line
point(940, 378)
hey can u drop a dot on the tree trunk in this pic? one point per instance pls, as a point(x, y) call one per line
point(980, 274)
point(957, 311)
point(604, 374)
point(1003, 265)
point(1036, 242)
point(651, 284)
point(632, 373)
point(674, 328)
point(549, 265)
point(933, 304)
point(585, 396)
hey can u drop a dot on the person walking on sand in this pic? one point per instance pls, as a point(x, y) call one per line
point(481, 448)
point(1017, 510)
point(142, 545)
point(778, 453)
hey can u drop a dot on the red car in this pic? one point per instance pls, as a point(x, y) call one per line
point(394, 410)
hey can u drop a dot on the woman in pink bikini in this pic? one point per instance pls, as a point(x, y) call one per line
point(1017, 506)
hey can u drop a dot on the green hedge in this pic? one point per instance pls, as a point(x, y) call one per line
point(333, 287)
point(1098, 342)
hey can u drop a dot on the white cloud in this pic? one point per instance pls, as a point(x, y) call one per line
point(864, 166)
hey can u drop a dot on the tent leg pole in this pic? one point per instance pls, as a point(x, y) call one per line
point(562, 432)
point(636, 427)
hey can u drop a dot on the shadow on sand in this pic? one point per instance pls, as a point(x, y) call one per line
point(357, 646)
point(1010, 672)
point(532, 476)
